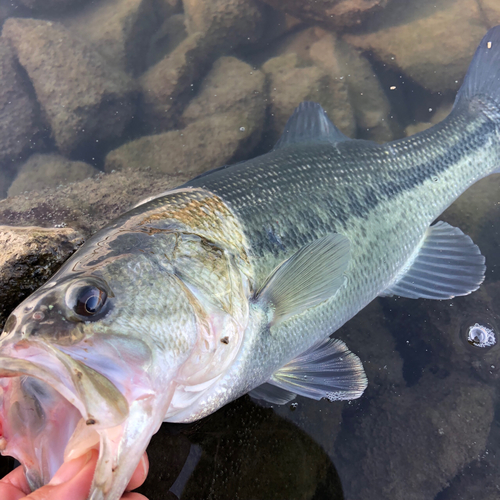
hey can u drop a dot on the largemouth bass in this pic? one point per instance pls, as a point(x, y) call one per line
point(234, 282)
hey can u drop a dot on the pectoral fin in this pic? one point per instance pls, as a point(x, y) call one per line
point(447, 264)
point(311, 276)
point(327, 370)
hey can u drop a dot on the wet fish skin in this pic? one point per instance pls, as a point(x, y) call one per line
point(185, 302)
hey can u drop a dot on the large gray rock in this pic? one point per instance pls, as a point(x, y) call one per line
point(49, 170)
point(28, 257)
point(120, 30)
point(290, 83)
point(20, 124)
point(432, 42)
point(166, 86)
point(336, 14)
point(86, 101)
point(227, 23)
point(222, 123)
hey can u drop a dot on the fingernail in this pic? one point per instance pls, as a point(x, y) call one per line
point(145, 466)
point(70, 469)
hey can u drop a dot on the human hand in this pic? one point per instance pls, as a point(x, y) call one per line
point(72, 480)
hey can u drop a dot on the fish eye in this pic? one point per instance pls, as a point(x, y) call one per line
point(89, 301)
point(86, 300)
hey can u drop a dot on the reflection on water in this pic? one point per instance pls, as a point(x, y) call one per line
point(105, 102)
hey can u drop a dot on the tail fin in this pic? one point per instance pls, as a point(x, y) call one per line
point(483, 77)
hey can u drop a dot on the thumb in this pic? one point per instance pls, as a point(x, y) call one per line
point(72, 480)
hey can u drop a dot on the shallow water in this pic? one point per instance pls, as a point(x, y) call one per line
point(428, 425)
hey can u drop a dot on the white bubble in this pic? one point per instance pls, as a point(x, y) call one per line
point(242, 129)
point(481, 336)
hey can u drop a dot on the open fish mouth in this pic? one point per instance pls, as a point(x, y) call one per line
point(36, 425)
point(54, 408)
point(50, 400)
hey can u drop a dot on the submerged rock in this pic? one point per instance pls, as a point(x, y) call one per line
point(416, 439)
point(86, 205)
point(222, 123)
point(166, 86)
point(478, 481)
point(431, 42)
point(86, 101)
point(51, 5)
point(336, 14)
point(28, 257)
point(230, 86)
point(441, 113)
point(372, 109)
point(120, 30)
point(290, 84)
point(227, 23)
point(49, 170)
point(343, 62)
point(170, 34)
point(20, 123)
point(491, 11)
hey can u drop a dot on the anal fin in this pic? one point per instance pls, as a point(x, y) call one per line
point(326, 370)
point(447, 264)
point(272, 394)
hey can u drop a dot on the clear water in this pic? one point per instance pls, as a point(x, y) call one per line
point(428, 426)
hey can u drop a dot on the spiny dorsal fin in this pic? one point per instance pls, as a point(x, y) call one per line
point(447, 264)
point(309, 277)
point(309, 123)
point(326, 370)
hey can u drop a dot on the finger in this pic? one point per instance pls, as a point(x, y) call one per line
point(72, 480)
point(15, 479)
point(9, 492)
point(133, 496)
point(140, 474)
point(69, 470)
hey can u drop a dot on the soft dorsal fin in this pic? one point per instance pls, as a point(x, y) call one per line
point(310, 276)
point(326, 370)
point(309, 123)
point(446, 264)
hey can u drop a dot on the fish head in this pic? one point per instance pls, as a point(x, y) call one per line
point(101, 354)
point(67, 386)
